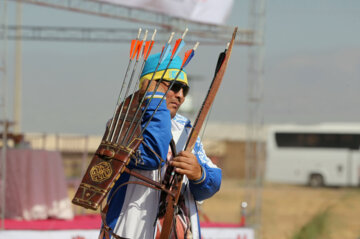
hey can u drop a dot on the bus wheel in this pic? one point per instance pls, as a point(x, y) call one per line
point(316, 180)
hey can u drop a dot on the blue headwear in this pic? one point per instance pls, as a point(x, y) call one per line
point(170, 73)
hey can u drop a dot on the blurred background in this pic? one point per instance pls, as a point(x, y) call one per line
point(284, 126)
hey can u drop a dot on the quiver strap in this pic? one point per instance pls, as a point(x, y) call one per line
point(167, 181)
point(105, 230)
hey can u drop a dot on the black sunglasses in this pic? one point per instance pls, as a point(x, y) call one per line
point(177, 86)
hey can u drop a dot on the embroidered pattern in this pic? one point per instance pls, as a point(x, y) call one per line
point(100, 172)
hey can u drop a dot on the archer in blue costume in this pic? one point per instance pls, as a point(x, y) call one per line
point(134, 208)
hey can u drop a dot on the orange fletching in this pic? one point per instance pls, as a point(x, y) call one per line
point(146, 48)
point(150, 47)
point(132, 48)
point(138, 49)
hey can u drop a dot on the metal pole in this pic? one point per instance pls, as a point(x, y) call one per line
point(18, 71)
point(254, 146)
point(4, 104)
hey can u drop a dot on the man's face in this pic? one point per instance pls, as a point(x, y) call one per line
point(175, 97)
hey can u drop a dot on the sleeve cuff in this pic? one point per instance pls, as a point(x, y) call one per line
point(157, 95)
point(202, 178)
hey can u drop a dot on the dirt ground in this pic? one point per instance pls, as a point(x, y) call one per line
point(285, 208)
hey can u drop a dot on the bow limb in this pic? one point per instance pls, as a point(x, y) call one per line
point(210, 97)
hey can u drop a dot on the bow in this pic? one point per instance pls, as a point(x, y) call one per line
point(172, 202)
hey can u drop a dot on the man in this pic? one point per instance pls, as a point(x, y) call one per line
point(134, 208)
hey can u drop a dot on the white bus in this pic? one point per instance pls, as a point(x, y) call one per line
point(317, 155)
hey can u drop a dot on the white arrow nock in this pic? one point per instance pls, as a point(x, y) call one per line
point(196, 46)
point(184, 34)
point(153, 36)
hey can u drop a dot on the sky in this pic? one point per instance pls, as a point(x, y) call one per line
point(311, 69)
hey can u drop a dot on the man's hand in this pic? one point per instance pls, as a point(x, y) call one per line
point(186, 163)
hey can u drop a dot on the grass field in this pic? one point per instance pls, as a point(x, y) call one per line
point(287, 210)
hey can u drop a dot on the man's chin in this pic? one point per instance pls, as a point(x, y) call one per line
point(173, 112)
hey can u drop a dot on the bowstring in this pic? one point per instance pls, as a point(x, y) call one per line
point(206, 122)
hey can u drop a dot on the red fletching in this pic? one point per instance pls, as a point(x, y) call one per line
point(177, 43)
point(138, 49)
point(132, 48)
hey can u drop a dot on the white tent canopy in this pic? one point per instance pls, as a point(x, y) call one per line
point(210, 11)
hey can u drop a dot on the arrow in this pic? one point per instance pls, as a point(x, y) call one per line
point(189, 55)
point(134, 45)
point(148, 46)
point(115, 116)
point(179, 44)
point(146, 52)
point(137, 52)
point(166, 49)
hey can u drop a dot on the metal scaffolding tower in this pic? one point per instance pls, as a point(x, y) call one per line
point(115, 35)
point(205, 33)
point(255, 154)
point(18, 70)
point(3, 105)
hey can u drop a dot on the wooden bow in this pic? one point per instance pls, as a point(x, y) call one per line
point(172, 202)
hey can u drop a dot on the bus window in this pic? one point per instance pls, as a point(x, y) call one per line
point(318, 140)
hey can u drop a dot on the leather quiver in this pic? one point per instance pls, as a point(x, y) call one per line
point(109, 160)
point(105, 168)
